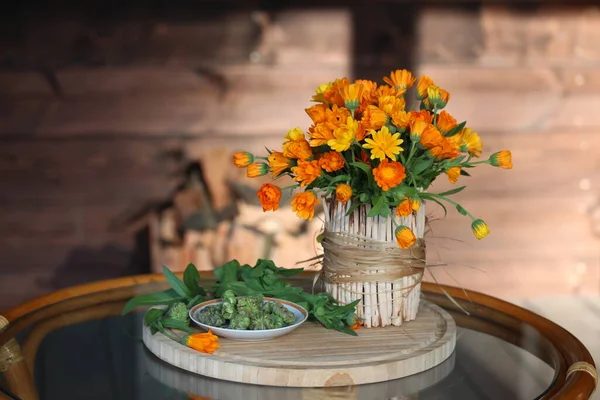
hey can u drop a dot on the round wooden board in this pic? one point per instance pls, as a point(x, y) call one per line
point(312, 356)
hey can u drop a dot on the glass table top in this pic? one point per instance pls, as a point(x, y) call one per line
point(106, 359)
point(78, 346)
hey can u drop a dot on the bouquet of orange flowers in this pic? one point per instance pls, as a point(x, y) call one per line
point(365, 147)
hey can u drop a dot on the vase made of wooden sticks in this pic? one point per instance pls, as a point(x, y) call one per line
point(362, 261)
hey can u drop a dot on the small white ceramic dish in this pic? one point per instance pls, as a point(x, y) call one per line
point(251, 335)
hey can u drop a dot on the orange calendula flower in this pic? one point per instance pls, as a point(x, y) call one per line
point(278, 163)
point(374, 118)
point(404, 209)
point(303, 204)
point(445, 122)
point(502, 159)
point(446, 149)
point(470, 142)
point(453, 174)
point(299, 149)
point(424, 83)
point(317, 113)
point(383, 144)
point(391, 104)
point(431, 137)
point(243, 159)
point(332, 93)
point(320, 134)
point(295, 135)
point(385, 90)
point(422, 115)
point(352, 94)
point(257, 169)
point(203, 342)
point(480, 229)
point(401, 119)
point(269, 196)
point(343, 192)
point(369, 93)
point(306, 172)
point(389, 174)
point(336, 117)
point(344, 136)
point(405, 237)
point(331, 161)
point(416, 130)
point(400, 79)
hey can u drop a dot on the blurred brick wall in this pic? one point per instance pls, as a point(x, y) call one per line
point(120, 108)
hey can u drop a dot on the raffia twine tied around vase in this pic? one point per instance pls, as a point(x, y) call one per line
point(362, 261)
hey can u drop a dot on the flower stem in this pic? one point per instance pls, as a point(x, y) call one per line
point(453, 203)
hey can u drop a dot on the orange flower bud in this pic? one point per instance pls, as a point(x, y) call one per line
point(404, 209)
point(343, 192)
point(502, 159)
point(257, 169)
point(453, 174)
point(243, 159)
point(405, 237)
point(203, 342)
point(480, 229)
point(303, 204)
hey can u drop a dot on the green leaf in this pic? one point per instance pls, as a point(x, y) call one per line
point(378, 204)
point(421, 165)
point(171, 323)
point(366, 169)
point(461, 210)
point(428, 197)
point(177, 284)
point(166, 297)
point(153, 329)
point(287, 272)
point(196, 300)
point(228, 272)
point(464, 173)
point(456, 129)
point(453, 191)
point(353, 207)
point(191, 276)
point(153, 315)
point(340, 178)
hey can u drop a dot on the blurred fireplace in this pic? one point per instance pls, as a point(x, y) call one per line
point(105, 108)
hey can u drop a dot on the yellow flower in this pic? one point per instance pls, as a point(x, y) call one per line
point(480, 229)
point(344, 136)
point(424, 83)
point(278, 163)
point(343, 192)
point(453, 174)
point(404, 209)
point(374, 118)
point(319, 96)
point(317, 113)
point(331, 161)
point(389, 174)
point(203, 342)
point(295, 135)
point(257, 169)
point(303, 204)
point(502, 159)
point(437, 97)
point(299, 149)
point(470, 142)
point(306, 172)
point(445, 122)
point(352, 95)
point(416, 204)
point(243, 159)
point(416, 130)
point(400, 79)
point(320, 134)
point(405, 237)
point(269, 196)
point(383, 144)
